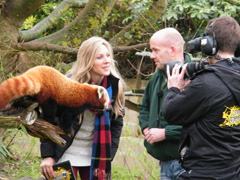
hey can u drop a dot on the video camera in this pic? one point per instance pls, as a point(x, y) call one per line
point(191, 68)
point(207, 45)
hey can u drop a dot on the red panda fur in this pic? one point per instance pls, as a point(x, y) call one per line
point(46, 82)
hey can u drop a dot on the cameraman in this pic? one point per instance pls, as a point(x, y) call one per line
point(209, 109)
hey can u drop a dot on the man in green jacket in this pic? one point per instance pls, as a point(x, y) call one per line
point(162, 139)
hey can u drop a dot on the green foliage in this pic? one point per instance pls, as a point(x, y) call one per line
point(22, 160)
point(119, 172)
point(63, 67)
point(46, 10)
point(191, 16)
point(123, 13)
point(133, 162)
point(4, 153)
point(199, 10)
point(135, 8)
point(30, 167)
point(28, 23)
point(51, 59)
point(42, 13)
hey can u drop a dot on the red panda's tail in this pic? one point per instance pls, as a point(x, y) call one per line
point(16, 87)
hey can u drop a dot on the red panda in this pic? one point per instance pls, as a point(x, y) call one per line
point(51, 88)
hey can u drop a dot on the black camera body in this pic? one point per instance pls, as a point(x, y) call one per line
point(207, 45)
point(191, 69)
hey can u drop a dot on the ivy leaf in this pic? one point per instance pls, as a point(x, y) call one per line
point(127, 35)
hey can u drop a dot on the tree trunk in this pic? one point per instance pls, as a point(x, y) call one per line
point(13, 13)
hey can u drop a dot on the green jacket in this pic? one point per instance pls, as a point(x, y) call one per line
point(150, 111)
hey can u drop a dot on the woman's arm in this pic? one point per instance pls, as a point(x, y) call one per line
point(116, 131)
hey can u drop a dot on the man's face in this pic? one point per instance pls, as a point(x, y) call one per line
point(160, 53)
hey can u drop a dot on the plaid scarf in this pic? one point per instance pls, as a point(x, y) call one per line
point(101, 153)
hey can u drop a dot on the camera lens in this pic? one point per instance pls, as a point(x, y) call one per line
point(191, 68)
point(194, 45)
point(171, 65)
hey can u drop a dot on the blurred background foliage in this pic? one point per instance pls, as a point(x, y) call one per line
point(189, 16)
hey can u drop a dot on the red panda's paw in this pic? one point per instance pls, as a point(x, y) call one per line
point(102, 94)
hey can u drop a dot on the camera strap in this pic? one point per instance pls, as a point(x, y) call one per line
point(160, 94)
point(230, 60)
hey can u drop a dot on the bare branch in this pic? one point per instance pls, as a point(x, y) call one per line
point(78, 3)
point(234, 2)
point(88, 23)
point(34, 46)
point(49, 21)
point(130, 48)
point(149, 17)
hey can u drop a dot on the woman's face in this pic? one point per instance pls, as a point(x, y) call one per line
point(101, 65)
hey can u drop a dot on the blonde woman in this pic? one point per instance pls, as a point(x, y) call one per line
point(96, 138)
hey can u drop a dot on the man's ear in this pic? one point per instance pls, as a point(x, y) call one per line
point(173, 51)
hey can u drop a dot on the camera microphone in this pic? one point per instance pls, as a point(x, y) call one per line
point(160, 94)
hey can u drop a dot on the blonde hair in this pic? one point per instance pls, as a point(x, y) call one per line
point(86, 56)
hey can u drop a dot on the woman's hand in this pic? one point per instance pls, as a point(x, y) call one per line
point(47, 167)
point(176, 79)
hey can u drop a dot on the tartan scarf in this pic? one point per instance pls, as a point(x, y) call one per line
point(101, 152)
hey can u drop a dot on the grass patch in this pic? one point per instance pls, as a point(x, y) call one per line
point(27, 168)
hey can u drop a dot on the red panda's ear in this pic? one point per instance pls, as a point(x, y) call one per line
point(100, 92)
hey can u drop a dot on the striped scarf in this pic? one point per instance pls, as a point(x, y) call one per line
point(101, 153)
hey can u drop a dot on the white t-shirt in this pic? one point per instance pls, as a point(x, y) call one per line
point(80, 152)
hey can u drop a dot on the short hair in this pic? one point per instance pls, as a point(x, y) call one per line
point(226, 31)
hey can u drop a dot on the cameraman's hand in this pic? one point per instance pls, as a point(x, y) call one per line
point(176, 79)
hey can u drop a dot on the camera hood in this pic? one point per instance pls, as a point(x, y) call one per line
point(191, 68)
